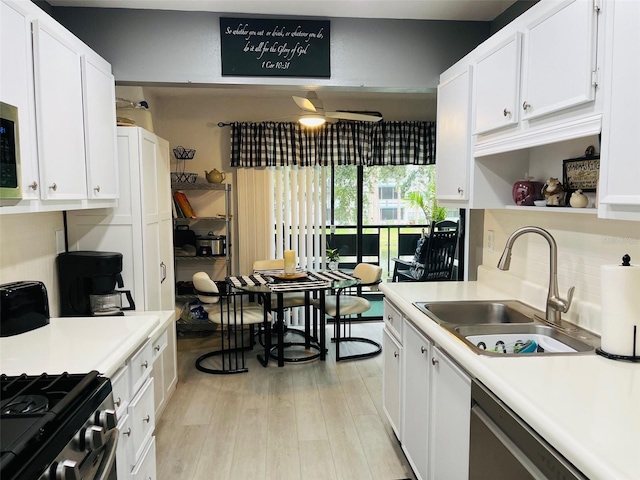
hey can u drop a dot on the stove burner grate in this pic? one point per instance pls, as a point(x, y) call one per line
point(25, 404)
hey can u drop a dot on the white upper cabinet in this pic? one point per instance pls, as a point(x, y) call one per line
point(65, 94)
point(559, 70)
point(453, 138)
point(99, 119)
point(497, 82)
point(619, 188)
point(536, 80)
point(16, 87)
point(58, 86)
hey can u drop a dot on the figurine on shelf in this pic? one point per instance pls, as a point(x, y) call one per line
point(578, 199)
point(553, 191)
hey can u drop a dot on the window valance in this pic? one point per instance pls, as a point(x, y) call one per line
point(276, 144)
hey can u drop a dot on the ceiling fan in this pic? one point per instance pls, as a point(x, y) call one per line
point(314, 114)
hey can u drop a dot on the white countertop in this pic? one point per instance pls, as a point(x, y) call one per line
point(586, 406)
point(80, 344)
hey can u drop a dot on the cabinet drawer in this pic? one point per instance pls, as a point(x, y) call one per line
point(143, 419)
point(393, 320)
point(121, 394)
point(159, 345)
point(140, 366)
point(124, 451)
point(146, 469)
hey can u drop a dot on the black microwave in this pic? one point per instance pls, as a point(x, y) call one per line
point(10, 191)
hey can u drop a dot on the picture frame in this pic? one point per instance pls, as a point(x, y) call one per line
point(581, 173)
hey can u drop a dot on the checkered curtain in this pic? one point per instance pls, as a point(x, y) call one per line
point(272, 144)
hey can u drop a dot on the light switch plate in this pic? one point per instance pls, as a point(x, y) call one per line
point(490, 240)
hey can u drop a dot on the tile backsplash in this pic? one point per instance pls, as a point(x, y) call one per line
point(585, 243)
point(28, 250)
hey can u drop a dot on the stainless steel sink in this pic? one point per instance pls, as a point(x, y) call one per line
point(508, 339)
point(493, 327)
point(478, 312)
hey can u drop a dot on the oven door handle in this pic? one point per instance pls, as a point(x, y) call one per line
point(108, 463)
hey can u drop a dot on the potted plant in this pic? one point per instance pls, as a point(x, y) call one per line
point(333, 258)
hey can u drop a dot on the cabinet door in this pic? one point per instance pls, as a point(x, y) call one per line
point(165, 220)
point(124, 449)
point(619, 166)
point(16, 78)
point(416, 399)
point(58, 88)
point(143, 420)
point(497, 86)
point(453, 153)
point(392, 353)
point(559, 59)
point(451, 410)
point(100, 128)
point(392, 319)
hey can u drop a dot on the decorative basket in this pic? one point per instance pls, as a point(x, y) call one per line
point(182, 153)
point(185, 177)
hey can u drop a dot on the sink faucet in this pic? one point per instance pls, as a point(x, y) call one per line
point(556, 305)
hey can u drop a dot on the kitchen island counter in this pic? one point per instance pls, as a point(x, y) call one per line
point(80, 344)
point(585, 405)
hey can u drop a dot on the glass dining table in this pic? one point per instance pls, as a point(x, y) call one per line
point(268, 285)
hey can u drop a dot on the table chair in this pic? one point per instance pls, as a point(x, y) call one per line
point(344, 306)
point(232, 313)
point(434, 259)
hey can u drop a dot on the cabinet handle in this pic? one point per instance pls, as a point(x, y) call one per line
point(460, 190)
point(525, 105)
point(147, 419)
point(118, 402)
point(53, 187)
point(434, 361)
point(33, 185)
point(506, 112)
point(163, 269)
point(390, 318)
point(395, 354)
point(145, 364)
point(128, 432)
point(422, 349)
point(157, 348)
point(97, 189)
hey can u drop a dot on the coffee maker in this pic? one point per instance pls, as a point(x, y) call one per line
point(87, 283)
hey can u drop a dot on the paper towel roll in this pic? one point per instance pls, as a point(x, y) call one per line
point(620, 309)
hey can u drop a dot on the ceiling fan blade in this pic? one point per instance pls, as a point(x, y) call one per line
point(304, 103)
point(362, 117)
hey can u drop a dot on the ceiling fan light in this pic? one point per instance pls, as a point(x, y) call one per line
point(311, 120)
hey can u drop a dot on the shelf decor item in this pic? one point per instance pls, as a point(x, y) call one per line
point(184, 205)
point(182, 155)
point(581, 173)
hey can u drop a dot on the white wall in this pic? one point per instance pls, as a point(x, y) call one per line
point(585, 243)
point(28, 251)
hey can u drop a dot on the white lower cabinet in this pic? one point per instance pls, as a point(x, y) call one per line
point(133, 393)
point(451, 405)
point(416, 399)
point(434, 403)
point(165, 368)
point(392, 357)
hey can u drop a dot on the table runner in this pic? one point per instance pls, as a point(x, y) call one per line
point(313, 281)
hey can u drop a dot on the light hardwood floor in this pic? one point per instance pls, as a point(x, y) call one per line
point(313, 420)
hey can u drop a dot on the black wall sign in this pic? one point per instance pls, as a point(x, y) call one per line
point(268, 47)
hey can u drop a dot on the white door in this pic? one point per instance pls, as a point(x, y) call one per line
point(497, 86)
point(392, 353)
point(60, 123)
point(559, 58)
point(453, 153)
point(416, 399)
point(100, 129)
point(451, 396)
point(16, 79)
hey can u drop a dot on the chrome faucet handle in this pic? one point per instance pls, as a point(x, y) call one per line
point(560, 304)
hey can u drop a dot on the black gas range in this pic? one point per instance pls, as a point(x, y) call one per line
point(57, 427)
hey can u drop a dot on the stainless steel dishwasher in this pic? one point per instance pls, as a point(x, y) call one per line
point(502, 445)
